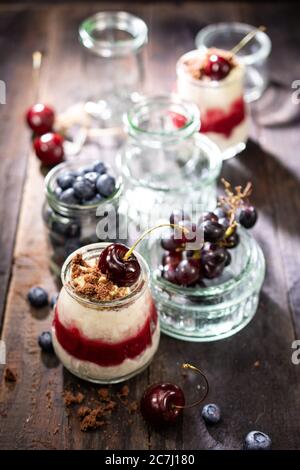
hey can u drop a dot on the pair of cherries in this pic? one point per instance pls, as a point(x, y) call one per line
point(48, 145)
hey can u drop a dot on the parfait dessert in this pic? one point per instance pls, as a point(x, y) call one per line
point(105, 326)
point(214, 81)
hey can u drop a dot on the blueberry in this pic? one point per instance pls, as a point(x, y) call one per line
point(57, 191)
point(68, 196)
point(106, 185)
point(95, 200)
point(45, 342)
point(68, 229)
point(53, 300)
point(257, 440)
point(211, 413)
point(37, 297)
point(84, 189)
point(99, 167)
point(92, 177)
point(65, 180)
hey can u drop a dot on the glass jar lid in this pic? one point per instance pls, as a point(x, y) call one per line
point(113, 33)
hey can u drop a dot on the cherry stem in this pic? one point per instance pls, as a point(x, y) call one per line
point(36, 67)
point(246, 39)
point(196, 403)
point(130, 251)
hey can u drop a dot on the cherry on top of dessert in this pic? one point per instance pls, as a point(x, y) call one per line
point(121, 271)
point(216, 66)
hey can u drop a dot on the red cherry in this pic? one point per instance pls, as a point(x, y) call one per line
point(49, 148)
point(159, 404)
point(40, 118)
point(217, 67)
point(123, 273)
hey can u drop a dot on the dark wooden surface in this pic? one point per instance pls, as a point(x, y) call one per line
point(265, 397)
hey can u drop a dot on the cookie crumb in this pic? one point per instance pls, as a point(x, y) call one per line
point(72, 399)
point(256, 364)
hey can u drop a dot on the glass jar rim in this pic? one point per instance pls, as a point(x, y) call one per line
point(244, 28)
point(222, 289)
point(73, 209)
point(120, 20)
point(189, 110)
point(91, 251)
point(201, 83)
point(215, 160)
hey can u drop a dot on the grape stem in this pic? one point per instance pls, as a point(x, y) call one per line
point(130, 251)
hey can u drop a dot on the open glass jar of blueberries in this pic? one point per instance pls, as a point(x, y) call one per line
point(211, 291)
point(165, 162)
point(78, 195)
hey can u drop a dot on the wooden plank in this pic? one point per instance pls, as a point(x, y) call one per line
point(263, 397)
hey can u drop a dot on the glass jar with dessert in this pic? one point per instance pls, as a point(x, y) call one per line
point(105, 327)
point(210, 291)
point(213, 79)
point(165, 162)
point(115, 42)
point(254, 55)
point(79, 194)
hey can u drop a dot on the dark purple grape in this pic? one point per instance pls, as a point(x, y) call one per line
point(169, 273)
point(187, 272)
point(247, 216)
point(172, 258)
point(190, 234)
point(232, 241)
point(209, 216)
point(178, 215)
point(213, 261)
point(228, 259)
point(213, 231)
point(171, 244)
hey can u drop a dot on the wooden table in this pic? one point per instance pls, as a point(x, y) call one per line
point(251, 374)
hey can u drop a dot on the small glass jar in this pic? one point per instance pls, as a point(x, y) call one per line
point(166, 164)
point(105, 342)
point(221, 307)
point(115, 69)
point(254, 55)
point(224, 116)
point(70, 226)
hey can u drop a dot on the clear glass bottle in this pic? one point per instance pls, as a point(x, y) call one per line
point(105, 342)
point(254, 55)
point(115, 66)
point(224, 115)
point(166, 164)
point(72, 226)
point(218, 309)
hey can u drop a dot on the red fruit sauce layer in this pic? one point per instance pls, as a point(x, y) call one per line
point(100, 352)
point(216, 119)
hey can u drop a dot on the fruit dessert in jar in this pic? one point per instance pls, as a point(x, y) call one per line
point(214, 81)
point(105, 326)
point(79, 195)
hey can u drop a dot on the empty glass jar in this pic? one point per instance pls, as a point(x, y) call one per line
point(166, 164)
point(254, 55)
point(115, 65)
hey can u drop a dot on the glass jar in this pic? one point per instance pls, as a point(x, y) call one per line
point(115, 68)
point(166, 164)
point(105, 342)
point(70, 226)
point(254, 55)
point(221, 307)
point(224, 116)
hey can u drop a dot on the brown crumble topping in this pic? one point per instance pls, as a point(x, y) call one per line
point(256, 364)
point(10, 375)
point(88, 281)
point(72, 399)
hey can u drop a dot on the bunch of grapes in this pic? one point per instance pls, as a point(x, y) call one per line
point(186, 267)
